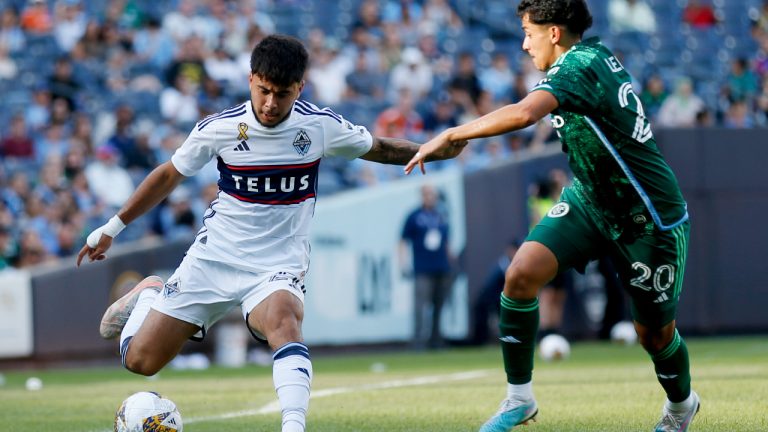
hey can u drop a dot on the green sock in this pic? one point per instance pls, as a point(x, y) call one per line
point(673, 369)
point(518, 324)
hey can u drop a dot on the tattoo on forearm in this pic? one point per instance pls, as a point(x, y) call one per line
point(392, 151)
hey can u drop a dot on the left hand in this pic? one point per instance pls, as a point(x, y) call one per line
point(439, 147)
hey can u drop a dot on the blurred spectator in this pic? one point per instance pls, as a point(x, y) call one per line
point(406, 15)
point(110, 183)
point(54, 143)
point(222, 68)
point(36, 18)
point(400, 120)
point(363, 82)
point(178, 104)
point(31, 250)
point(7, 246)
point(11, 34)
point(327, 73)
point(704, 119)
point(8, 68)
point(362, 43)
point(741, 81)
point(699, 14)
point(681, 107)
point(153, 46)
point(441, 14)
point(37, 112)
point(465, 77)
point(739, 116)
point(441, 116)
point(62, 83)
point(188, 62)
point(211, 98)
point(412, 74)
point(17, 143)
point(184, 22)
point(498, 78)
point(69, 23)
point(631, 16)
point(177, 220)
point(653, 95)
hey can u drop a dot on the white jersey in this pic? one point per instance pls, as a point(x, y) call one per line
point(267, 184)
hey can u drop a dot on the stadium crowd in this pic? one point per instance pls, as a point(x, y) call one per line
point(95, 94)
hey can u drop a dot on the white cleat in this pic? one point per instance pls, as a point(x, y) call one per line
point(511, 413)
point(678, 422)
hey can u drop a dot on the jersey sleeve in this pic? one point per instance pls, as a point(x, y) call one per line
point(345, 139)
point(198, 149)
point(573, 83)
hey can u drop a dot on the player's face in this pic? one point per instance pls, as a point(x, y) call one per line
point(272, 103)
point(539, 43)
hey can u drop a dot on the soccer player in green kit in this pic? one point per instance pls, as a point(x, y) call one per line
point(624, 202)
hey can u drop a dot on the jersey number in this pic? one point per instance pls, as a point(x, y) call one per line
point(642, 131)
point(663, 277)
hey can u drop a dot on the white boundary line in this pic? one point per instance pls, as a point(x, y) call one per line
point(274, 407)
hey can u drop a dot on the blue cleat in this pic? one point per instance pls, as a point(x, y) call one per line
point(512, 412)
point(678, 422)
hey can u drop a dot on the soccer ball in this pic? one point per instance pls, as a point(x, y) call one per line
point(623, 332)
point(148, 411)
point(554, 347)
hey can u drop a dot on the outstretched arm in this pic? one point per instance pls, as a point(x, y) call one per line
point(158, 185)
point(506, 119)
point(396, 151)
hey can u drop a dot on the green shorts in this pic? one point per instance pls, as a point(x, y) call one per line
point(650, 267)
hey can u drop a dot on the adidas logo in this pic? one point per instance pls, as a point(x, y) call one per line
point(662, 298)
point(509, 339)
point(243, 146)
point(662, 376)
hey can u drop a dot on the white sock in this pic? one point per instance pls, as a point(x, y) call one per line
point(680, 407)
point(139, 312)
point(522, 392)
point(292, 375)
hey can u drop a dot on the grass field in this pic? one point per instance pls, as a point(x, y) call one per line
point(602, 387)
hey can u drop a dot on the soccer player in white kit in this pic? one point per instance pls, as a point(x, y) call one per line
point(253, 249)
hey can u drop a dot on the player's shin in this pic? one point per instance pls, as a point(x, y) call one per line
point(138, 314)
point(518, 324)
point(673, 369)
point(292, 375)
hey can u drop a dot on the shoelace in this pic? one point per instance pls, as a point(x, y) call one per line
point(509, 404)
point(669, 419)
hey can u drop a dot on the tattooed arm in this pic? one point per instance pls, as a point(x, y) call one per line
point(396, 151)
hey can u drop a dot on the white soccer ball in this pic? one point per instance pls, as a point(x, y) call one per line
point(148, 411)
point(554, 347)
point(623, 332)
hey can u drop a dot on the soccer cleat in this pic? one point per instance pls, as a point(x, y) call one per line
point(678, 422)
point(117, 314)
point(511, 413)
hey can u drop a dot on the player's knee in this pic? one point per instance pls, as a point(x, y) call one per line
point(520, 282)
point(141, 364)
point(655, 340)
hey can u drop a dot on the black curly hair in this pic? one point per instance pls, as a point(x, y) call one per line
point(572, 14)
point(280, 59)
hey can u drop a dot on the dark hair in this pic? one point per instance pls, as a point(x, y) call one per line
point(279, 59)
point(573, 14)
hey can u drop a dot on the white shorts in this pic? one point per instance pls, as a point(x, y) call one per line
point(202, 292)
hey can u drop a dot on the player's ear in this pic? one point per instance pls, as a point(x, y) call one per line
point(555, 34)
point(301, 86)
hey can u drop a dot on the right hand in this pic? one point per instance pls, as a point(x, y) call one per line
point(100, 240)
point(95, 246)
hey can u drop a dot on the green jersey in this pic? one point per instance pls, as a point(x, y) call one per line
point(619, 172)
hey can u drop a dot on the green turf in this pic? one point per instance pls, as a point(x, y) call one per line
point(602, 387)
